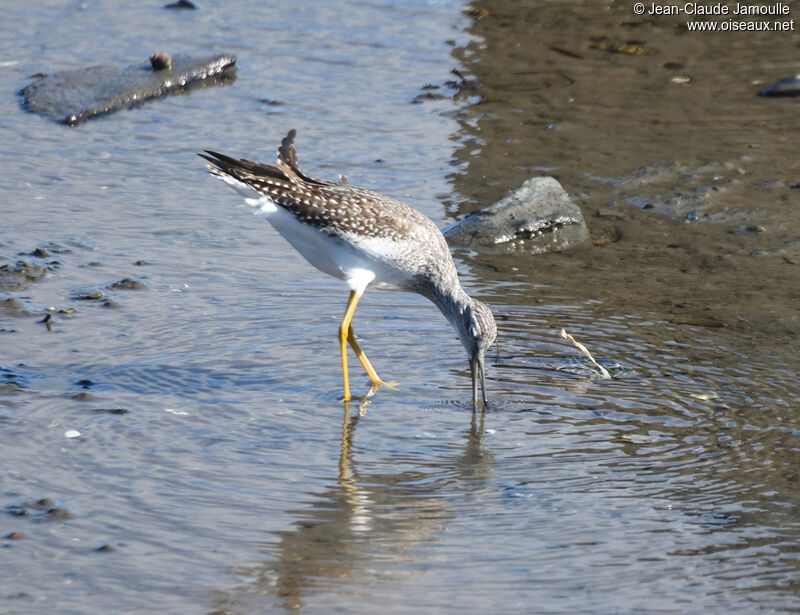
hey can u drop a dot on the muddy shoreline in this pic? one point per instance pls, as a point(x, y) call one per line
point(685, 176)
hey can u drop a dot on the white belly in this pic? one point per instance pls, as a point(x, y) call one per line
point(329, 253)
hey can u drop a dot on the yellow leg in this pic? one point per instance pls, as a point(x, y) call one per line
point(375, 380)
point(352, 301)
point(346, 335)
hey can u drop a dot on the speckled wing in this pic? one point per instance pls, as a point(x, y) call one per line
point(381, 226)
point(337, 208)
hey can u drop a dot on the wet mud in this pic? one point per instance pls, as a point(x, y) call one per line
point(686, 178)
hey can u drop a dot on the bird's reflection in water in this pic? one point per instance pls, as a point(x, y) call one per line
point(363, 528)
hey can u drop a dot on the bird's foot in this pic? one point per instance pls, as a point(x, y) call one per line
point(377, 384)
point(373, 387)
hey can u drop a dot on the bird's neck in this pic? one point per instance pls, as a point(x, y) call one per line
point(452, 303)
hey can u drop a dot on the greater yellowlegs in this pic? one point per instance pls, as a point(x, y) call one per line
point(363, 238)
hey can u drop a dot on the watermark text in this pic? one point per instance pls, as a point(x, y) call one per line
point(740, 17)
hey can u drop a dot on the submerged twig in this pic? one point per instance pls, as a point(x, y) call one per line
point(603, 371)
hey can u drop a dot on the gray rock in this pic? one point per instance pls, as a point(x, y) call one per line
point(73, 96)
point(535, 218)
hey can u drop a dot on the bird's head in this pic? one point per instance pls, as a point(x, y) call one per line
point(477, 331)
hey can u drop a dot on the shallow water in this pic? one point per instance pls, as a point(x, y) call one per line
point(216, 471)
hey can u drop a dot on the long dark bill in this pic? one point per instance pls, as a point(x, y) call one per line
point(476, 370)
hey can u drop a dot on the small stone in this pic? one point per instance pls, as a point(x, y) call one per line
point(602, 241)
point(15, 535)
point(126, 284)
point(14, 307)
point(59, 513)
point(25, 270)
point(112, 410)
point(72, 433)
point(161, 61)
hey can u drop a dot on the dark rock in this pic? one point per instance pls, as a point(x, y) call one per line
point(73, 96)
point(92, 295)
point(161, 61)
point(19, 274)
point(535, 218)
point(181, 4)
point(15, 535)
point(126, 284)
point(53, 247)
point(423, 96)
point(41, 509)
point(790, 86)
